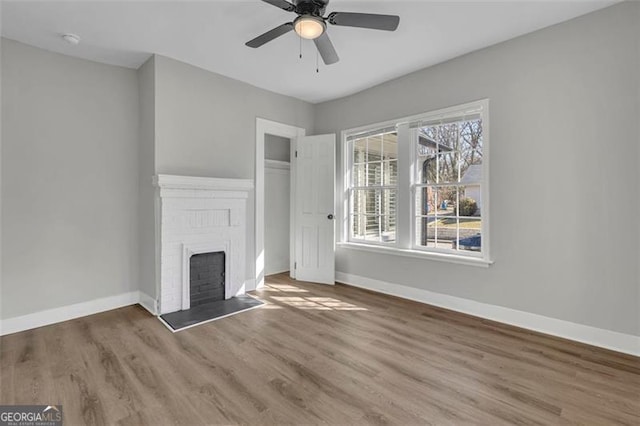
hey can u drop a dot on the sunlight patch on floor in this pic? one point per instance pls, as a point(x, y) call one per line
point(317, 303)
point(284, 288)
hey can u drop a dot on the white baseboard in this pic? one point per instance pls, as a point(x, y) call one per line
point(77, 310)
point(148, 302)
point(608, 339)
point(278, 271)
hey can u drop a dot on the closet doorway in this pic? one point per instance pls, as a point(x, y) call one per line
point(281, 137)
point(277, 202)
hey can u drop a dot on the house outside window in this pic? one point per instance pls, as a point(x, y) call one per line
point(419, 185)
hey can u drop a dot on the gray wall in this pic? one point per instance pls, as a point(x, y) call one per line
point(205, 126)
point(564, 169)
point(146, 171)
point(69, 173)
point(205, 123)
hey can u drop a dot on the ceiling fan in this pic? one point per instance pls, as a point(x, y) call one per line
point(311, 25)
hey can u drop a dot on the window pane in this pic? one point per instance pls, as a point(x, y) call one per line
point(425, 201)
point(440, 200)
point(439, 168)
point(390, 173)
point(438, 232)
point(374, 173)
point(470, 234)
point(425, 231)
point(447, 232)
point(358, 225)
point(470, 200)
point(388, 202)
point(375, 201)
point(471, 151)
point(359, 202)
point(390, 146)
point(365, 227)
point(359, 174)
point(441, 226)
point(373, 228)
point(388, 227)
point(471, 135)
point(360, 150)
point(445, 200)
point(364, 201)
point(427, 169)
point(470, 169)
point(374, 215)
point(448, 167)
point(374, 148)
point(426, 145)
point(440, 138)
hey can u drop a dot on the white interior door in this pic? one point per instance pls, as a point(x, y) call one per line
point(314, 209)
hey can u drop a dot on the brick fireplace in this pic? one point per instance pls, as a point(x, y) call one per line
point(199, 216)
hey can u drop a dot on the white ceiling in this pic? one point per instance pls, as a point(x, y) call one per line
point(211, 34)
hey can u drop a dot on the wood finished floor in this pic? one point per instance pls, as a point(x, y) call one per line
point(316, 354)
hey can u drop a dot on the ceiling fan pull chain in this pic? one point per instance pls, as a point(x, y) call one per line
point(300, 47)
point(317, 63)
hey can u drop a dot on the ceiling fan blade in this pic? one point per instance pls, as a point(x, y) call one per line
point(326, 49)
point(282, 4)
point(270, 35)
point(365, 20)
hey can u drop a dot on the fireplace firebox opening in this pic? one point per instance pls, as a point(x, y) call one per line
point(207, 278)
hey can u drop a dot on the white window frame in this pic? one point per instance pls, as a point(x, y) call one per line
point(405, 244)
point(348, 189)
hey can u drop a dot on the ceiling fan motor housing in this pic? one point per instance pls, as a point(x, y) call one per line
point(311, 7)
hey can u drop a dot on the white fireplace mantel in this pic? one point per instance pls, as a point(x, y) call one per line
point(202, 183)
point(199, 212)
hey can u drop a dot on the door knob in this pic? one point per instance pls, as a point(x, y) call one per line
point(330, 217)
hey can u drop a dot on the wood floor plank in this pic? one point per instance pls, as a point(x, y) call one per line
point(317, 354)
point(30, 378)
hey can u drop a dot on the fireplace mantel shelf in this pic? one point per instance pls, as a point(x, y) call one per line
point(201, 183)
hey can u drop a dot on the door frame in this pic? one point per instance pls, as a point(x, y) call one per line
point(263, 127)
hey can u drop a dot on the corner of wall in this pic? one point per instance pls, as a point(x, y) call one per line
point(146, 170)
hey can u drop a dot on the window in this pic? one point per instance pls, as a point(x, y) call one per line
point(373, 186)
point(420, 184)
point(448, 184)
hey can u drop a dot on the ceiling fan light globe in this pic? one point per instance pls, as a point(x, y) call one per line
point(309, 27)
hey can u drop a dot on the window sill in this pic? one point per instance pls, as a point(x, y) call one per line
point(443, 257)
